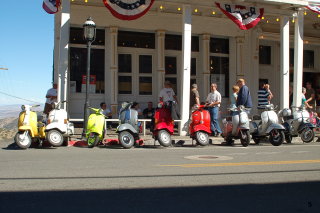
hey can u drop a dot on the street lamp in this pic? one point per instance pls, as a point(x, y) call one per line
point(89, 35)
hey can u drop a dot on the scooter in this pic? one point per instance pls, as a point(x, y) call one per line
point(30, 127)
point(297, 124)
point(129, 127)
point(58, 127)
point(163, 123)
point(199, 127)
point(237, 126)
point(267, 126)
point(95, 127)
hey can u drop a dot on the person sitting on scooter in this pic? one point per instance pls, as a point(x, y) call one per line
point(244, 96)
point(167, 95)
point(51, 97)
point(107, 112)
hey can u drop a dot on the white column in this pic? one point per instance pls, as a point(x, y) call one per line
point(64, 51)
point(56, 51)
point(284, 62)
point(185, 72)
point(298, 59)
point(111, 68)
point(204, 89)
point(160, 40)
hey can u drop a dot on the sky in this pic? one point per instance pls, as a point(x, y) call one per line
point(26, 49)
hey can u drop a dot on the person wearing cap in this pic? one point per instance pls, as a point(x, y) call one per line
point(194, 95)
point(167, 93)
point(51, 97)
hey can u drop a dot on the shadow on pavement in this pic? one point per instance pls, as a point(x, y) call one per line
point(282, 197)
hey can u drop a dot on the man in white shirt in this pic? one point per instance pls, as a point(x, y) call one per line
point(51, 97)
point(213, 104)
point(167, 93)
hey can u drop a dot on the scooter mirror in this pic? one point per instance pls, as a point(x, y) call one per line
point(23, 107)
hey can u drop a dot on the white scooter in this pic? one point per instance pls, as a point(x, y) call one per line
point(267, 126)
point(237, 126)
point(297, 124)
point(58, 126)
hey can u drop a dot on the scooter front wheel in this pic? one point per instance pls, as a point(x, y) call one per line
point(126, 139)
point(23, 139)
point(307, 135)
point(202, 138)
point(164, 138)
point(245, 138)
point(276, 137)
point(55, 138)
point(93, 139)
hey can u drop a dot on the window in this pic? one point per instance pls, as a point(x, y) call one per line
point(76, 36)
point(219, 74)
point(219, 45)
point(170, 65)
point(125, 73)
point(78, 64)
point(193, 71)
point(145, 85)
point(265, 55)
point(136, 39)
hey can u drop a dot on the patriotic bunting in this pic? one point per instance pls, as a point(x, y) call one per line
point(314, 8)
point(128, 9)
point(51, 6)
point(244, 17)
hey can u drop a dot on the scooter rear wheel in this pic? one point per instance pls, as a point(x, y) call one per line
point(54, 137)
point(23, 139)
point(202, 138)
point(245, 138)
point(126, 139)
point(164, 138)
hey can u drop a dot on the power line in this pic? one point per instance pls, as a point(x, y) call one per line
point(13, 96)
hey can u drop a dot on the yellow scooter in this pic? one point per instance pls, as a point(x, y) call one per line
point(30, 127)
point(95, 127)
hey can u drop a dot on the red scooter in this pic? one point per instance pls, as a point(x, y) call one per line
point(163, 124)
point(199, 128)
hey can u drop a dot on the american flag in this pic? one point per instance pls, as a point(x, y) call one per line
point(51, 6)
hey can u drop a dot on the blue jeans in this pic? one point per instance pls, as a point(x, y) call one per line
point(214, 112)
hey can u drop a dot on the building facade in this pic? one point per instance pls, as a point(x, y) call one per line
point(184, 42)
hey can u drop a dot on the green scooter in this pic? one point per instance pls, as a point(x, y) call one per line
point(95, 127)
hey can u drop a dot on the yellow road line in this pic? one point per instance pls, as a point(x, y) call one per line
point(244, 163)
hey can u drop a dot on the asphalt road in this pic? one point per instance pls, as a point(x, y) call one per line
point(258, 178)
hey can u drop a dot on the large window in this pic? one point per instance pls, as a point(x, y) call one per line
point(136, 39)
point(78, 64)
point(308, 58)
point(265, 55)
point(174, 42)
point(135, 74)
point(171, 71)
point(219, 45)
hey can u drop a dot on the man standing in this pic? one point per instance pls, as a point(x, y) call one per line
point(107, 112)
point(310, 95)
point(264, 96)
point(51, 97)
point(213, 104)
point(194, 95)
point(148, 112)
point(244, 96)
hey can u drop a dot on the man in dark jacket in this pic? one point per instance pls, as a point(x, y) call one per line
point(244, 97)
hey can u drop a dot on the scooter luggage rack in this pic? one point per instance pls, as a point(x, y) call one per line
point(117, 120)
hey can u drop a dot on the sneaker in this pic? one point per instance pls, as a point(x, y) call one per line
point(218, 135)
